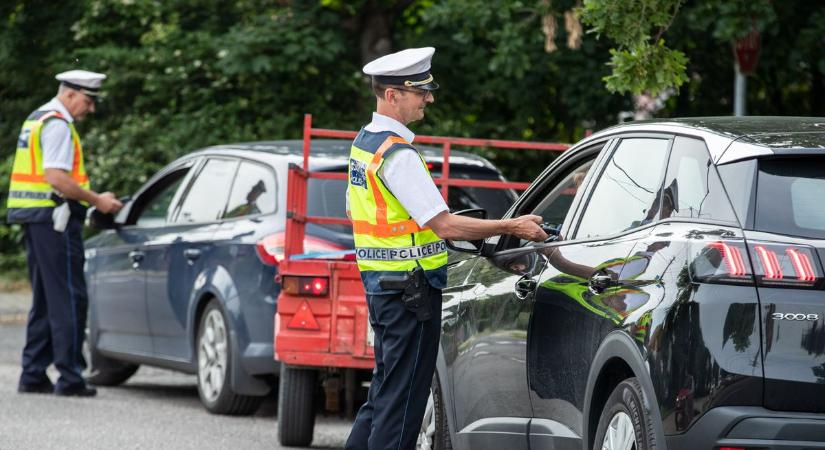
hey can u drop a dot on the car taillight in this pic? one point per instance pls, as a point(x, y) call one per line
point(312, 286)
point(271, 248)
point(721, 262)
point(774, 265)
point(785, 265)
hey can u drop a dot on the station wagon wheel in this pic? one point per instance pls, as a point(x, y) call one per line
point(214, 359)
point(625, 423)
point(212, 355)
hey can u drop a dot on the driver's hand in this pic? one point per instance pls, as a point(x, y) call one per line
point(527, 227)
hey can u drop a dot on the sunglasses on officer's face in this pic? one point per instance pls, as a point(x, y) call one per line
point(423, 93)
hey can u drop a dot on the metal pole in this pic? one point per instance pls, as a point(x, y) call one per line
point(739, 89)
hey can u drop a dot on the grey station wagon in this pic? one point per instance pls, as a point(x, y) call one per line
point(184, 278)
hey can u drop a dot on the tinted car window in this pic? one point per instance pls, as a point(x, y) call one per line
point(692, 187)
point(158, 204)
point(789, 196)
point(206, 198)
point(495, 201)
point(626, 194)
point(555, 205)
point(738, 179)
point(253, 191)
point(327, 198)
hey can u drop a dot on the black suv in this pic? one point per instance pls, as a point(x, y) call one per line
point(678, 303)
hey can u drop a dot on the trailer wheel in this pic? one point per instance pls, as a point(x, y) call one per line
point(296, 406)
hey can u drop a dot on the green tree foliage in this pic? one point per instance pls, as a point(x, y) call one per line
point(185, 74)
point(641, 62)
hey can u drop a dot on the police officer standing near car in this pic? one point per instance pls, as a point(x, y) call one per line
point(400, 221)
point(49, 194)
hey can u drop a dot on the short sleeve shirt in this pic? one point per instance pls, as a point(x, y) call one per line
point(56, 138)
point(405, 176)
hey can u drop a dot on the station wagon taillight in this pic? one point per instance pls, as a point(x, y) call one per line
point(770, 264)
point(271, 248)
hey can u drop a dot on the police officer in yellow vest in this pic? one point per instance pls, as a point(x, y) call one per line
point(399, 223)
point(49, 194)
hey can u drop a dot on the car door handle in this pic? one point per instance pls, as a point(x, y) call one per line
point(525, 287)
point(137, 257)
point(599, 282)
point(192, 253)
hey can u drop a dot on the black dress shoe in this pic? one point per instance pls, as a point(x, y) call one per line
point(41, 388)
point(80, 391)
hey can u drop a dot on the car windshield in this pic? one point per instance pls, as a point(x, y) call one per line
point(326, 198)
point(789, 196)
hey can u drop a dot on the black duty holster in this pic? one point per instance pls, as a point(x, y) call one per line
point(415, 291)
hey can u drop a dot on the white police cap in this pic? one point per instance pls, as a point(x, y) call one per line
point(82, 80)
point(410, 67)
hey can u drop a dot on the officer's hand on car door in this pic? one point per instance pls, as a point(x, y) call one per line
point(108, 203)
point(527, 227)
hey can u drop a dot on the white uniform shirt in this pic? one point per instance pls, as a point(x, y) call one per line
point(56, 139)
point(405, 176)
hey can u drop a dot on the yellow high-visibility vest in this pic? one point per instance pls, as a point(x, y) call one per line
point(387, 239)
point(29, 193)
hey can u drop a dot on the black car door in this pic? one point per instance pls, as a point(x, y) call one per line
point(485, 343)
point(585, 291)
point(176, 254)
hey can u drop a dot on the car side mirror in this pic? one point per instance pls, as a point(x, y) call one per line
point(475, 246)
point(101, 221)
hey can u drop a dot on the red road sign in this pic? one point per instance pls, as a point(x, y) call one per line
point(746, 51)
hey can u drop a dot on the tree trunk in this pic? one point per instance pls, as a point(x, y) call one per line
point(376, 24)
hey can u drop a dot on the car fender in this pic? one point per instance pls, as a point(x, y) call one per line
point(619, 344)
point(216, 282)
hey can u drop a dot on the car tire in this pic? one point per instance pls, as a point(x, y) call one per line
point(435, 431)
point(214, 359)
point(624, 421)
point(296, 406)
point(104, 371)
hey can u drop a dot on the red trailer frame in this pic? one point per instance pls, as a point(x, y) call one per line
point(329, 329)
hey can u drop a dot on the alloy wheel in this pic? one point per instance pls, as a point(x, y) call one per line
point(212, 355)
point(620, 433)
point(426, 436)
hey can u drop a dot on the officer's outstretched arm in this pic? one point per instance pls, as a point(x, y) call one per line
point(62, 182)
point(453, 227)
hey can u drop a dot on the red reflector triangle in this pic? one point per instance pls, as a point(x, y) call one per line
point(304, 319)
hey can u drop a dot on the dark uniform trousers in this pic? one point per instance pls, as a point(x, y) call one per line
point(405, 356)
point(57, 320)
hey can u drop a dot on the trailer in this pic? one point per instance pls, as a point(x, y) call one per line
point(322, 333)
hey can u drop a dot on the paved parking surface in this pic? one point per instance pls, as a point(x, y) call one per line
point(155, 409)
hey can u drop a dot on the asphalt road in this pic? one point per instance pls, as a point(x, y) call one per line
point(155, 409)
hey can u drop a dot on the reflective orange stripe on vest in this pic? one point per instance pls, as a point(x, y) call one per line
point(34, 177)
point(386, 229)
point(380, 203)
point(27, 178)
